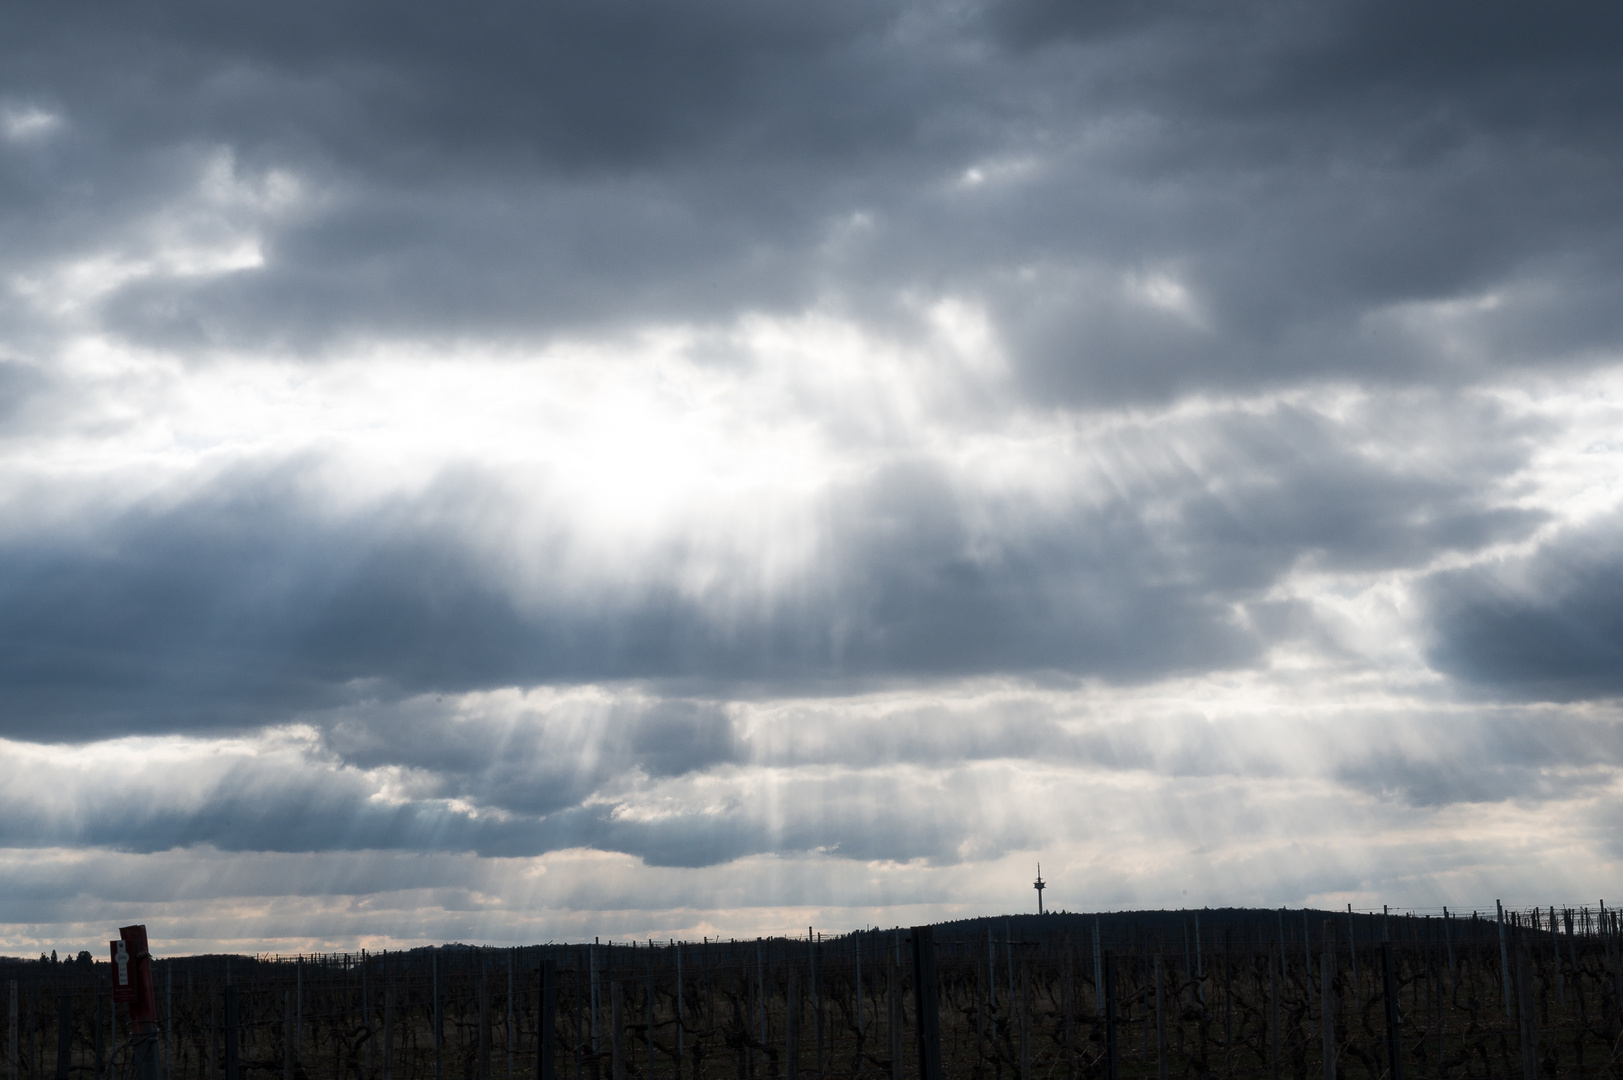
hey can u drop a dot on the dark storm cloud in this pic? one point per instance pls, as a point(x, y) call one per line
point(1306, 174)
point(248, 603)
point(1312, 171)
point(1547, 627)
point(511, 166)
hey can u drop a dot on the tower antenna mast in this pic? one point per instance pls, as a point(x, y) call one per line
point(1039, 885)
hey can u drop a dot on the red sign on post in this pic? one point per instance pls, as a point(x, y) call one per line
point(123, 973)
point(132, 974)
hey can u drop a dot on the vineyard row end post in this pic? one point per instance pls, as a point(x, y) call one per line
point(287, 1037)
point(1107, 964)
point(1526, 1018)
point(546, 1037)
point(1160, 1021)
point(64, 1034)
point(927, 1018)
point(1394, 1037)
point(791, 1026)
point(388, 1030)
point(617, 1058)
point(232, 1066)
point(1327, 1002)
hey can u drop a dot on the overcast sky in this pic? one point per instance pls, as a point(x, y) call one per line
point(515, 472)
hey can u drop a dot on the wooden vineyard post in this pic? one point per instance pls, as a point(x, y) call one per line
point(1200, 972)
point(617, 1019)
point(1024, 1003)
point(817, 1002)
point(1228, 1004)
point(991, 968)
point(594, 1004)
point(287, 1037)
point(1526, 1018)
point(64, 1034)
point(232, 1071)
point(1273, 1016)
point(1394, 1036)
point(1098, 970)
point(861, 1030)
point(1284, 972)
point(1307, 973)
point(11, 1048)
point(546, 1024)
point(760, 997)
point(791, 1026)
point(1068, 1008)
point(980, 1034)
point(1435, 985)
point(388, 1030)
point(896, 1015)
point(1599, 925)
point(1572, 955)
point(484, 1019)
point(1448, 940)
point(1008, 962)
point(1352, 947)
point(926, 1004)
point(1617, 964)
point(102, 1052)
point(439, 1025)
point(1504, 955)
point(1327, 999)
point(366, 1018)
point(168, 1020)
point(1608, 930)
point(1555, 947)
point(681, 1032)
point(1160, 1021)
point(1106, 965)
point(211, 1069)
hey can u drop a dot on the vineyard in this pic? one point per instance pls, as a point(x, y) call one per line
point(1193, 994)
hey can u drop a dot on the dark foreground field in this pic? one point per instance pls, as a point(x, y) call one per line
point(1213, 993)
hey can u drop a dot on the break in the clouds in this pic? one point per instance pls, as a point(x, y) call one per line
point(530, 471)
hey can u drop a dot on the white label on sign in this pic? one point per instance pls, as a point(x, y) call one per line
point(123, 962)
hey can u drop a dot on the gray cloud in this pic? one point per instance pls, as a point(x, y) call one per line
point(538, 759)
point(531, 170)
point(942, 791)
point(23, 388)
point(1546, 627)
point(1303, 176)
